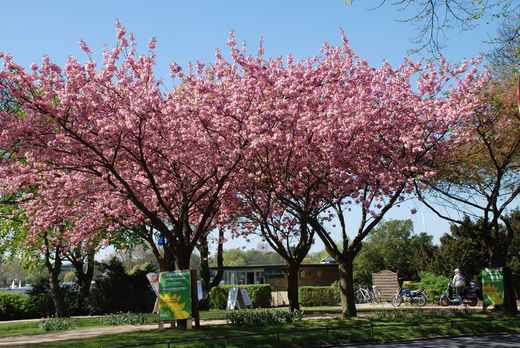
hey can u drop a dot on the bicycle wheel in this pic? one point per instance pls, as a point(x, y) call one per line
point(472, 302)
point(396, 300)
point(420, 300)
point(359, 296)
point(444, 301)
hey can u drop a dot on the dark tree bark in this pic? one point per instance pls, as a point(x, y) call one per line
point(54, 269)
point(84, 272)
point(205, 275)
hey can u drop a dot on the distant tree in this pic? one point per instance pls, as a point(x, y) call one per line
point(504, 56)
point(434, 18)
point(392, 246)
point(462, 249)
point(480, 178)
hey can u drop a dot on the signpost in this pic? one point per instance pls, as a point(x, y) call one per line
point(174, 296)
point(492, 286)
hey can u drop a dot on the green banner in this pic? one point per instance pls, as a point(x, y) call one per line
point(174, 295)
point(492, 286)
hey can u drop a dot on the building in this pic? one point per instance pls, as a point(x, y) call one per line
point(322, 274)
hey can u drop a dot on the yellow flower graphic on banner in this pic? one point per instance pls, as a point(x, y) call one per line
point(172, 302)
point(493, 293)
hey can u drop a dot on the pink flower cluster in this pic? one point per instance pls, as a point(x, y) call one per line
point(107, 148)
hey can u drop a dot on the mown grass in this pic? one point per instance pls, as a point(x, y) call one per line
point(384, 327)
point(22, 328)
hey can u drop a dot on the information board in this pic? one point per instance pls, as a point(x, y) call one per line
point(492, 286)
point(174, 295)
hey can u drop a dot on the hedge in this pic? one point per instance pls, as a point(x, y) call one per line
point(14, 306)
point(318, 296)
point(260, 295)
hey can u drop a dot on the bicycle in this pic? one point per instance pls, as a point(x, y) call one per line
point(370, 294)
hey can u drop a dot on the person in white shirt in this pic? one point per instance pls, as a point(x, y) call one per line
point(459, 283)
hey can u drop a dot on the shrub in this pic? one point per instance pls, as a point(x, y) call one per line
point(13, 306)
point(56, 324)
point(318, 295)
point(40, 301)
point(262, 316)
point(260, 295)
point(117, 291)
point(435, 285)
point(123, 319)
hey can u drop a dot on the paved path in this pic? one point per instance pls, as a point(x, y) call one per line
point(84, 333)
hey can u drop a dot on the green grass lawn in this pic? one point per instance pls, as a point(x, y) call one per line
point(386, 326)
point(21, 328)
point(339, 331)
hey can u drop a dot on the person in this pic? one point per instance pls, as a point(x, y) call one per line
point(459, 283)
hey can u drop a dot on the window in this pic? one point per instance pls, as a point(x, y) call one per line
point(302, 274)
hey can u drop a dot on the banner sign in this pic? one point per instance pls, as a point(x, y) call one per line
point(153, 278)
point(492, 286)
point(174, 295)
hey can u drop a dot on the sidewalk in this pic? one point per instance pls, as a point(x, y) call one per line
point(85, 333)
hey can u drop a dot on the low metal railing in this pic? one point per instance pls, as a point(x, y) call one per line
point(278, 333)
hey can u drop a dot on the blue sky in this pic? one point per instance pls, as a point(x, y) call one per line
point(188, 30)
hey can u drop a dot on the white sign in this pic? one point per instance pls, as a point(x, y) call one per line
point(237, 298)
point(247, 300)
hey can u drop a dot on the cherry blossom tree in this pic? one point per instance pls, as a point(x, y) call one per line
point(336, 133)
point(111, 135)
point(108, 148)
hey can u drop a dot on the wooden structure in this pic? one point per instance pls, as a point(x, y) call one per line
point(386, 282)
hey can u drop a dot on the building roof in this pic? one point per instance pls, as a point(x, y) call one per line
point(252, 267)
point(328, 259)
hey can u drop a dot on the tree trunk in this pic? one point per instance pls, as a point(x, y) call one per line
point(205, 273)
point(498, 260)
point(84, 276)
point(54, 282)
point(292, 286)
point(348, 302)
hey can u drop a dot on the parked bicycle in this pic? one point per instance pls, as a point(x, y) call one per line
point(367, 295)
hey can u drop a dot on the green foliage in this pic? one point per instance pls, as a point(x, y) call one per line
point(117, 291)
point(123, 319)
point(318, 295)
point(237, 257)
point(260, 295)
point(41, 304)
point(57, 324)
point(462, 249)
point(13, 306)
point(392, 246)
point(262, 316)
point(435, 285)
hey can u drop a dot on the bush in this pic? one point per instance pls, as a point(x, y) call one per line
point(41, 304)
point(318, 295)
point(260, 295)
point(262, 316)
point(117, 291)
point(435, 285)
point(13, 306)
point(56, 324)
point(123, 319)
